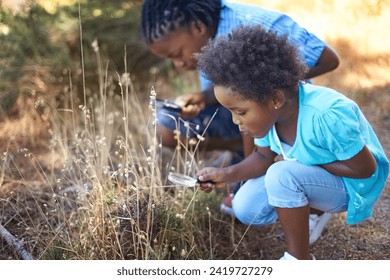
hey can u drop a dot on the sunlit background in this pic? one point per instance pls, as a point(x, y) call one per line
point(358, 29)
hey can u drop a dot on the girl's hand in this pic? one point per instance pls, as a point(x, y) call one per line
point(278, 158)
point(211, 178)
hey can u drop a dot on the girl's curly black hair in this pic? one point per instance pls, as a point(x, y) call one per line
point(253, 62)
point(158, 17)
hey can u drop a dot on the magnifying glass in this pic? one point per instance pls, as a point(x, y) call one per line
point(168, 105)
point(184, 180)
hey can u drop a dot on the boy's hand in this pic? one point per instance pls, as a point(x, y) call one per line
point(192, 103)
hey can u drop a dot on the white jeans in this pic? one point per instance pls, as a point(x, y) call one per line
point(289, 184)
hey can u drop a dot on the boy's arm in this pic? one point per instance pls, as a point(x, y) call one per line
point(362, 165)
point(328, 61)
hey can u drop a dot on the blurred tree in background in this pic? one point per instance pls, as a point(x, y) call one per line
point(45, 36)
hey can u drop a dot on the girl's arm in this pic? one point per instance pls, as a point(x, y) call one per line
point(362, 165)
point(252, 166)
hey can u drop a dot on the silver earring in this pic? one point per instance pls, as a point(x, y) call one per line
point(276, 107)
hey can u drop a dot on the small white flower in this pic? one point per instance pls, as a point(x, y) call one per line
point(95, 45)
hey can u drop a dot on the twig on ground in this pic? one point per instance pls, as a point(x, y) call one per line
point(15, 243)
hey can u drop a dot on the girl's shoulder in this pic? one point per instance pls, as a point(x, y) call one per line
point(321, 99)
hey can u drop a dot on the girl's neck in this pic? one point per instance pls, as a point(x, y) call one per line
point(289, 112)
point(286, 125)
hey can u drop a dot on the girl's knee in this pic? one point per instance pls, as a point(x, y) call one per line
point(283, 184)
point(279, 175)
point(257, 217)
point(242, 213)
point(250, 204)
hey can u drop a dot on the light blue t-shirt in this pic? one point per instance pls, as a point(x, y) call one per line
point(331, 127)
point(233, 15)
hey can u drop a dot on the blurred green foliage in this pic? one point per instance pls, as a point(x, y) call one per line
point(35, 37)
point(115, 25)
point(27, 42)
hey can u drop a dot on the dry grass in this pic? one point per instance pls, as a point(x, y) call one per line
point(87, 181)
point(60, 194)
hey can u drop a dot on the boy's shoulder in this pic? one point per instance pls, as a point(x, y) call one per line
point(243, 9)
point(234, 14)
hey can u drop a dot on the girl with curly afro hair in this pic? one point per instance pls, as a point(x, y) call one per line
point(315, 151)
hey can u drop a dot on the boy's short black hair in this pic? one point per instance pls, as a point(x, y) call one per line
point(252, 61)
point(159, 17)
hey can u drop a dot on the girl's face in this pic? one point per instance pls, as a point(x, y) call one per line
point(253, 119)
point(181, 45)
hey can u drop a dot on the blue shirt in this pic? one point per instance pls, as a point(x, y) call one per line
point(233, 15)
point(331, 127)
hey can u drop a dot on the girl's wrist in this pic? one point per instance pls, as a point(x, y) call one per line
point(230, 173)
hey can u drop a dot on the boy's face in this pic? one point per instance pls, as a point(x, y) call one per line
point(253, 119)
point(181, 45)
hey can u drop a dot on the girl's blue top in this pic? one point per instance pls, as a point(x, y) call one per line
point(331, 127)
point(233, 15)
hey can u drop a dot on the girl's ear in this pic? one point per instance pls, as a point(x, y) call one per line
point(278, 99)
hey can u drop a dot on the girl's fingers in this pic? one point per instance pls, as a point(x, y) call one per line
point(278, 158)
point(206, 187)
point(206, 174)
point(206, 190)
point(202, 178)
